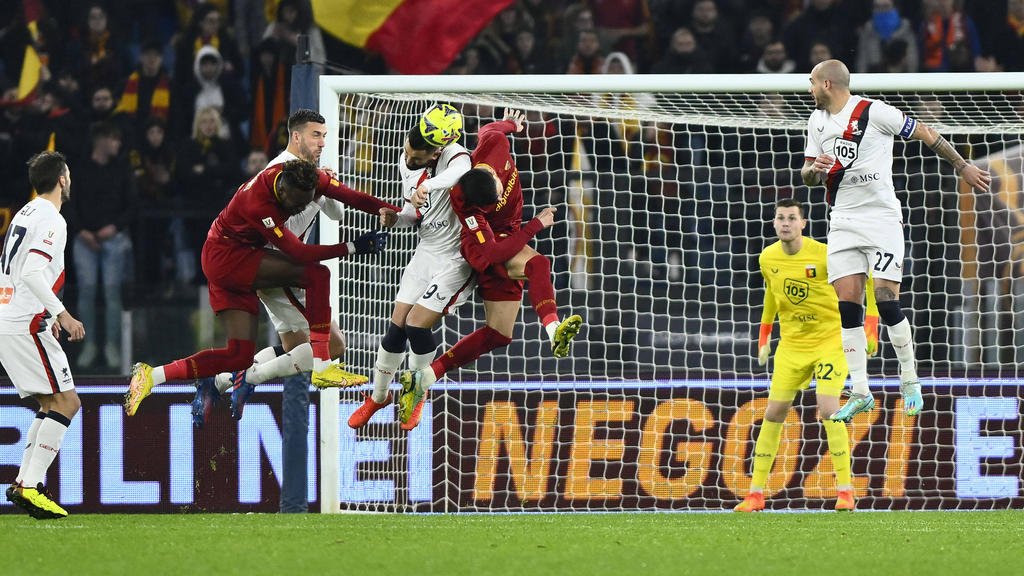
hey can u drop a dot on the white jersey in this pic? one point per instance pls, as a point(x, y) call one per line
point(439, 227)
point(300, 223)
point(860, 138)
point(34, 244)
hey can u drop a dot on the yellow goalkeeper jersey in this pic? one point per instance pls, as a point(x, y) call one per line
point(797, 289)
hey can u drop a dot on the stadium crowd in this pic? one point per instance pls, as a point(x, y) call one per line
point(164, 107)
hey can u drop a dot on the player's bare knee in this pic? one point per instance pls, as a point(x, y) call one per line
point(776, 411)
point(827, 405)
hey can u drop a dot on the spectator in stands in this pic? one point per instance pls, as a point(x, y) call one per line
point(255, 162)
point(949, 41)
point(270, 95)
point(885, 27)
point(819, 53)
point(152, 163)
point(52, 121)
point(775, 60)
point(101, 213)
point(576, 18)
point(295, 17)
point(98, 56)
point(526, 58)
point(625, 26)
point(544, 17)
point(760, 32)
point(249, 25)
point(822, 21)
point(205, 29)
point(66, 84)
point(588, 58)
point(714, 36)
point(1008, 38)
point(207, 175)
point(147, 92)
point(894, 58)
point(468, 61)
point(683, 56)
point(211, 87)
point(101, 105)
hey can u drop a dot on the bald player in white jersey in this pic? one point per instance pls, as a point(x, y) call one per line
point(307, 131)
point(849, 150)
point(31, 276)
point(437, 279)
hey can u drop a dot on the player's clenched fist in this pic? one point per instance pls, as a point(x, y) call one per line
point(823, 163)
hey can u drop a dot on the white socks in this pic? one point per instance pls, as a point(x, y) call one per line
point(427, 379)
point(30, 442)
point(158, 376)
point(223, 380)
point(855, 344)
point(550, 328)
point(48, 440)
point(903, 343)
point(297, 361)
point(384, 372)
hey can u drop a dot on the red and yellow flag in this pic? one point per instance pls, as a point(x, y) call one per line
point(413, 36)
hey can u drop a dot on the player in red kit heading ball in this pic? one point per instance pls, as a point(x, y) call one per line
point(489, 203)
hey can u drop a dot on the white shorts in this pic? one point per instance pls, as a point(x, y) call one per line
point(35, 363)
point(865, 246)
point(285, 306)
point(438, 283)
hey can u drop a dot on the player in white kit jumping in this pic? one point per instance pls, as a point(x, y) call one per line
point(437, 279)
point(849, 150)
point(31, 317)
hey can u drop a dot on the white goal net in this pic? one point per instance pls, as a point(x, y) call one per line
point(665, 188)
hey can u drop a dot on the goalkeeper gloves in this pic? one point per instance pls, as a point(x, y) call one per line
point(371, 242)
point(762, 354)
point(871, 331)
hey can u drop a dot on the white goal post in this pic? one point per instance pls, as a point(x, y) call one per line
point(665, 185)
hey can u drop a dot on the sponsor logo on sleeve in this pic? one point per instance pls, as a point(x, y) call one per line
point(480, 236)
point(269, 222)
point(471, 223)
point(278, 232)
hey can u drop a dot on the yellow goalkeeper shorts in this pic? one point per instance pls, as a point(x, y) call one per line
point(794, 370)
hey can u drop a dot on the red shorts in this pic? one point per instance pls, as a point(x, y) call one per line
point(230, 270)
point(495, 285)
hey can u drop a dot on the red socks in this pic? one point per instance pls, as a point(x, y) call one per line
point(237, 356)
point(317, 281)
point(468, 349)
point(542, 293)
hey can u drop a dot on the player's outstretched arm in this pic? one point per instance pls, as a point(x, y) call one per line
point(332, 188)
point(286, 241)
point(482, 250)
point(974, 176)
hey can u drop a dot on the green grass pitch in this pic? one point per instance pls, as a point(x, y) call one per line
point(826, 544)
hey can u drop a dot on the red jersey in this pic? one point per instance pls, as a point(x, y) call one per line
point(254, 217)
point(481, 224)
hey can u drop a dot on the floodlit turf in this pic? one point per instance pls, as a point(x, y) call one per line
point(861, 543)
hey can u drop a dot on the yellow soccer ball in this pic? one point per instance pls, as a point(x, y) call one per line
point(441, 125)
